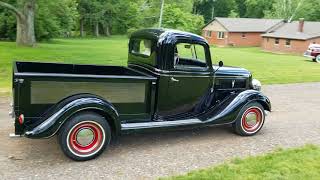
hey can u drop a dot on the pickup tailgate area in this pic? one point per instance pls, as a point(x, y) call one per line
point(39, 86)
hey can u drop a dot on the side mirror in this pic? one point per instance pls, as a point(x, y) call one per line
point(220, 63)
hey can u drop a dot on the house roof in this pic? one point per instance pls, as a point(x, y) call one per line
point(290, 31)
point(247, 24)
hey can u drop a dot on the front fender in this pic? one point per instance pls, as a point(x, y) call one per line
point(65, 109)
point(228, 110)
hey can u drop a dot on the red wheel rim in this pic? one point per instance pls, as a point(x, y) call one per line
point(86, 138)
point(252, 119)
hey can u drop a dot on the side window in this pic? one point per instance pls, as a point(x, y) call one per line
point(141, 47)
point(189, 55)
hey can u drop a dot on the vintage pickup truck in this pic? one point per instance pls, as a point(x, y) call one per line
point(170, 82)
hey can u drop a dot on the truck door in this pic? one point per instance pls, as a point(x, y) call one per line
point(190, 81)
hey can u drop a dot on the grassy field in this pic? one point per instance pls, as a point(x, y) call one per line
point(267, 67)
point(301, 163)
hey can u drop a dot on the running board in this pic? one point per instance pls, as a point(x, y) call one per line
point(146, 125)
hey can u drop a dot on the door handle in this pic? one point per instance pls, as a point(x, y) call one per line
point(174, 79)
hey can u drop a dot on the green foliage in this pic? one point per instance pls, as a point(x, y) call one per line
point(55, 18)
point(176, 18)
point(223, 7)
point(257, 8)
point(52, 19)
point(241, 7)
point(127, 17)
point(61, 18)
point(7, 23)
point(300, 163)
point(214, 8)
point(295, 9)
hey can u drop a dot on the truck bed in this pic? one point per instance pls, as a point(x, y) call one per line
point(39, 86)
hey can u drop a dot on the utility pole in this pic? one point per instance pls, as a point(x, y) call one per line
point(212, 13)
point(161, 13)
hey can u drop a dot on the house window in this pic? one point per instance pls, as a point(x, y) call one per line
point(208, 33)
point(220, 35)
point(243, 35)
point(276, 41)
point(288, 42)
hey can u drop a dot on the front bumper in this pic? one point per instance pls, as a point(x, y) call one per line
point(13, 135)
point(308, 55)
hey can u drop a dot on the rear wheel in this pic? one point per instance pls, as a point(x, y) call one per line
point(251, 120)
point(84, 136)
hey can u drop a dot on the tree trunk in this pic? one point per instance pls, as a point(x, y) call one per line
point(96, 29)
point(25, 25)
point(81, 27)
point(106, 29)
point(25, 21)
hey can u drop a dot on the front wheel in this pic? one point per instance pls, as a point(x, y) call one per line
point(317, 59)
point(84, 136)
point(250, 120)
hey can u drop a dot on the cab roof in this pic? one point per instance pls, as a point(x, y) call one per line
point(166, 35)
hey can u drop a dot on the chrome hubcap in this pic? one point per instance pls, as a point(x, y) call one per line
point(251, 119)
point(85, 136)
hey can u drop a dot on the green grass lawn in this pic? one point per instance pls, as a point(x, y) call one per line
point(293, 164)
point(267, 67)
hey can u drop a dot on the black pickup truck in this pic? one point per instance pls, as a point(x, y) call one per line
point(170, 82)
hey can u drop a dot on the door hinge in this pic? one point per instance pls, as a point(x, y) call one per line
point(19, 80)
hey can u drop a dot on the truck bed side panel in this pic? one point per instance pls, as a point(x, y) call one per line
point(131, 97)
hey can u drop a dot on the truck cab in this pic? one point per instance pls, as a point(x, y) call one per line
point(170, 82)
point(188, 82)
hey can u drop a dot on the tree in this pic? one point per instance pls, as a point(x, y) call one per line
point(294, 9)
point(24, 12)
point(55, 18)
point(7, 25)
point(176, 18)
point(241, 7)
point(257, 8)
point(95, 16)
point(214, 8)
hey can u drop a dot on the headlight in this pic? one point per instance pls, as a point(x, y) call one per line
point(256, 84)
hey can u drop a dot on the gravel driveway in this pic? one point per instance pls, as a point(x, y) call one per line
point(294, 121)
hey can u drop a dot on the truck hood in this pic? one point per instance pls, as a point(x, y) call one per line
point(231, 71)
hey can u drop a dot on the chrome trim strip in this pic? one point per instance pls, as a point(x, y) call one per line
point(166, 73)
point(85, 75)
point(146, 125)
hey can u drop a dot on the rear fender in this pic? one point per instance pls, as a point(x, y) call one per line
point(56, 117)
point(227, 111)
